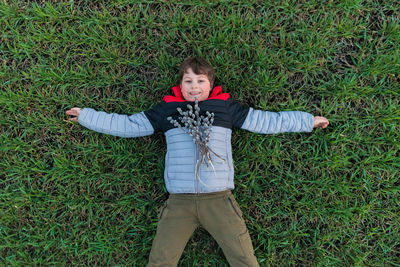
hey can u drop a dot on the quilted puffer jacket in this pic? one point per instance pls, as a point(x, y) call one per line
point(180, 160)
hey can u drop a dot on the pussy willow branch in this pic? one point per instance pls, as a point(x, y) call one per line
point(199, 128)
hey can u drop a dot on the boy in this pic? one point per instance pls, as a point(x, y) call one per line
point(199, 197)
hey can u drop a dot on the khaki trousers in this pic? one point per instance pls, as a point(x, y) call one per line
point(217, 212)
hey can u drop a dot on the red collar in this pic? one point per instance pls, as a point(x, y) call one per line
point(216, 93)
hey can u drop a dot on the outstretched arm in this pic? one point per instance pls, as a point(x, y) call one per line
point(266, 122)
point(114, 124)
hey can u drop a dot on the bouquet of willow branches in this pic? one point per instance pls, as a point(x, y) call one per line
point(199, 128)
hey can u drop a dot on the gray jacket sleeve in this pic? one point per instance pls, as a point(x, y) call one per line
point(266, 122)
point(115, 124)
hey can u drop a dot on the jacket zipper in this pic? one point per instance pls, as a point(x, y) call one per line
point(198, 174)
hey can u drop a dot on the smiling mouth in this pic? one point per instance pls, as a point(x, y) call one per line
point(197, 93)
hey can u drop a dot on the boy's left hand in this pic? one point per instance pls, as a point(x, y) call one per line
point(320, 122)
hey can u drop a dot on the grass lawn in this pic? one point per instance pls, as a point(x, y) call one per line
point(71, 196)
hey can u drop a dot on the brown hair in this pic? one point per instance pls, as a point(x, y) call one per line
point(199, 66)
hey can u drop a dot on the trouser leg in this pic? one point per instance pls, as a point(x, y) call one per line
point(222, 218)
point(176, 224)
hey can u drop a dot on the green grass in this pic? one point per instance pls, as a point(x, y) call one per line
point(71, 196)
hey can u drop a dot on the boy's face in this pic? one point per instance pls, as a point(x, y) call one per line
point(195, 85)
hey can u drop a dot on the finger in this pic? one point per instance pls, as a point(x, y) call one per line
point(73, 112)
point(70, 112)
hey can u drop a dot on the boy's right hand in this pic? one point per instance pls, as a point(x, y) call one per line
point(74, 112)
